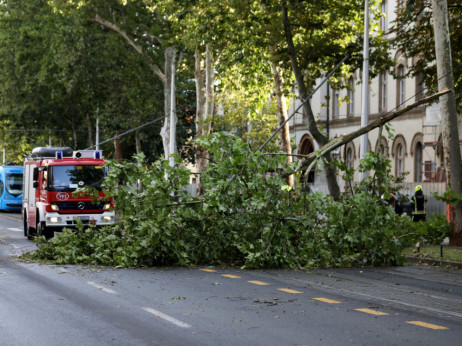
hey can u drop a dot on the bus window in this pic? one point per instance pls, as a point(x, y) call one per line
point(14, 183)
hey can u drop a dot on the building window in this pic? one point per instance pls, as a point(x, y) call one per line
point(349, 155)
point(418, 162)
point(383, 18)
point(400, 91)
point(306, 147)
point(419, 87)
point(382, 147)
point(351, 97)
point(383, 91)
point(349, 158)
point(399, 160)
point(335, 106)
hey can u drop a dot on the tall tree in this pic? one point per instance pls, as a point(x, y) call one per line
point(60, 72)
point(448, 113)
point(418, 27)
point(317, 36)
point(165, 75)
point(413, 35)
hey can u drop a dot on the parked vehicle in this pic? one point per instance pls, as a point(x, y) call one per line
point(51, 175)
point(11, 187)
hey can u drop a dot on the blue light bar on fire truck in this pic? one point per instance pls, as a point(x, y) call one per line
point(59, 155)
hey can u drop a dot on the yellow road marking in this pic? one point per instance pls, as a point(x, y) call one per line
point(325, 300)
point(426, 325)
point(208, 270)
point(231, 276)
point(258, 283)
point(288, 290)
point(372, 312)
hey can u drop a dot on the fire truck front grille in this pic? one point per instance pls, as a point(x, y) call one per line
point(78, 206)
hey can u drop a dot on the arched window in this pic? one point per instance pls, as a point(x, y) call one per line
point(399, 152)
point(349, 155)
point(335, 106)
point(351, 97)
point(382, 146)
point(418, 153)
point(349, 158)
point(399, 160)
point(383, 18)
point(400, 87)
point(306, 147)
point(383, 92)
point(419, 87)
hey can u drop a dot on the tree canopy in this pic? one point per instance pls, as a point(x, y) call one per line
point(415, 40)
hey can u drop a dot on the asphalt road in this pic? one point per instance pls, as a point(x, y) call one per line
point(87, 305)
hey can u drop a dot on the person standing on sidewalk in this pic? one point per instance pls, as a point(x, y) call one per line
point(418, 201)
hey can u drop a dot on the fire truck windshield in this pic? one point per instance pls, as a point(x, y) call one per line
point(69, 178)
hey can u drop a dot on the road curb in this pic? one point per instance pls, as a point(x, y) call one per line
point(433, 262)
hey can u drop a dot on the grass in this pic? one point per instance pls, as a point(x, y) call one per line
point(434, 252)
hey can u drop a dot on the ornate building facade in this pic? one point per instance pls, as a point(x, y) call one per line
point(415, 146)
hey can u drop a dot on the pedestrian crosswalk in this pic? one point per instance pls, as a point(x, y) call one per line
point(14, 229)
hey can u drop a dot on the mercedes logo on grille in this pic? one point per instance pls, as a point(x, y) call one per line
point(81, 205)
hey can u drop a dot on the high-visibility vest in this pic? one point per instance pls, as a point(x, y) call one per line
point(419, 205)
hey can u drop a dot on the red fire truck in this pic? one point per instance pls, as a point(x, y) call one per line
point(51, 174)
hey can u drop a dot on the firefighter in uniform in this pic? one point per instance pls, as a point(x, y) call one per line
point(418, 205)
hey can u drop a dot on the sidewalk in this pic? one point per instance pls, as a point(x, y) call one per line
point(433, 262)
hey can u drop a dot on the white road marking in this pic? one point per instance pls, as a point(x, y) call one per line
point(15, 229)
point(167, 318)
point(102, 288)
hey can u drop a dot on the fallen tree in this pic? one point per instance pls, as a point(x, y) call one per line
point(307, 161)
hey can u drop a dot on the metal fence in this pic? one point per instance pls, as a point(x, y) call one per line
point(433, 205)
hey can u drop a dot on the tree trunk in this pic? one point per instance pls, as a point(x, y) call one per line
point(74, 134)
point(284, 135)
point(169, 102)
point(209, 91)
point(448, 106)
point(165, 77)
point(137, 142)
point(90, 130)
point(118, 149)
point(318, 136)
point(199, 74)
point(205, 106)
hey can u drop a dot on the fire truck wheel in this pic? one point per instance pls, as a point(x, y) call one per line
point(28, 231)
point(47, 232)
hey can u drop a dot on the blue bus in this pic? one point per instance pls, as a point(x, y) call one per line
point(11, 188)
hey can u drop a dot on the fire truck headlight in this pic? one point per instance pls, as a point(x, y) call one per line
point(54, 219)
point(107, 206)
point(107, 218)
point(54, 207)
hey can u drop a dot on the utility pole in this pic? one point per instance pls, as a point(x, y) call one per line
point(97, 134)
point(365, 100)
point(172, 117)
point(449, 117)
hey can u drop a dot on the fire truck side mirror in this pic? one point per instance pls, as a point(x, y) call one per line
point(35, 184)
point(35, 175)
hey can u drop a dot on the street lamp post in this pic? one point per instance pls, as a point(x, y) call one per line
point(365, 99)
